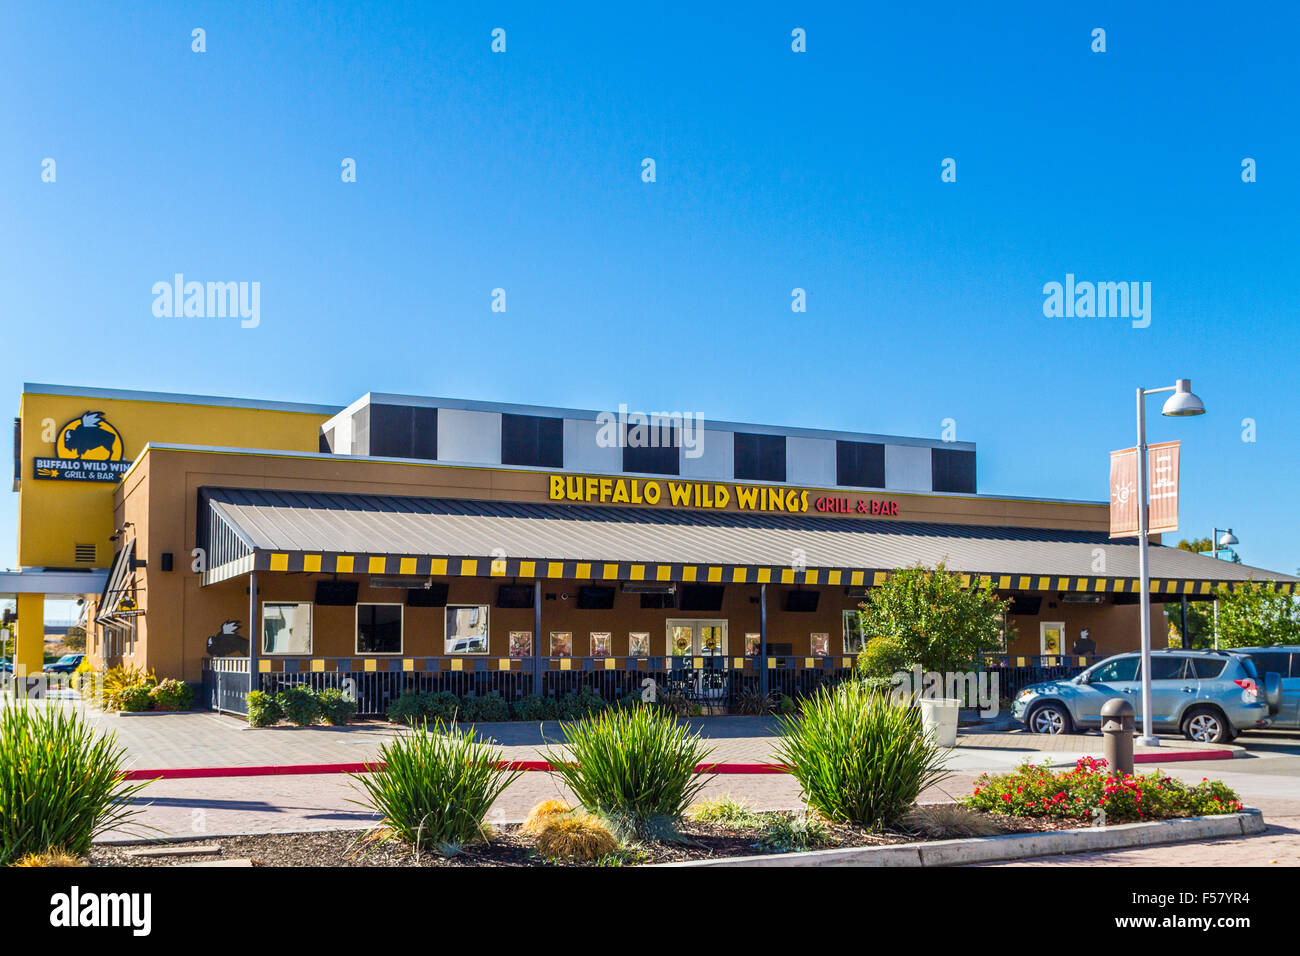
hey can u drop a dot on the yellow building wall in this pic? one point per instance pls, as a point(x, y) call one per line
point(55, 515)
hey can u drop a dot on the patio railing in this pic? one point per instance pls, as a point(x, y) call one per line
point(715, 683)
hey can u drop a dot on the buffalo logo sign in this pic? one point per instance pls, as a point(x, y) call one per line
point(88, 448)
point(229, 643)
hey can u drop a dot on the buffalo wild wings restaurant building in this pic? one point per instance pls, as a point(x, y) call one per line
point(478, 548)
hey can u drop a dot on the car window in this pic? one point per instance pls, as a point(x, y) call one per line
point(1206, 668)
point(1121, 668)
point(1275, 661)
point(1167, 667)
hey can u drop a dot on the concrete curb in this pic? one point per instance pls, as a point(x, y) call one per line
point(1014, 846)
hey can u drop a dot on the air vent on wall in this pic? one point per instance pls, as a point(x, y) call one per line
point(85, 553)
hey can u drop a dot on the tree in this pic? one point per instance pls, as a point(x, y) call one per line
point(1202, 545)
point(1253, 614)
point(1199, 629)
point(927, 616)
point(75, 639)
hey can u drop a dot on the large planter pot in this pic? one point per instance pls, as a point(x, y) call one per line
point(939, 718)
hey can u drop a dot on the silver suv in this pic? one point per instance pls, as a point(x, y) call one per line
point(1209, 696)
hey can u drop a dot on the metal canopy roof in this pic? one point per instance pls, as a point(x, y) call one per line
point(391, 534)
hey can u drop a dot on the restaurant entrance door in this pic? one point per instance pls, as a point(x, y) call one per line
point(691, 638)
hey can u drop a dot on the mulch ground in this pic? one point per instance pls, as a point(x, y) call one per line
point(509, 846)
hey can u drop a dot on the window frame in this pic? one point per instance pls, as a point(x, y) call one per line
point(401, 628)
point(311, 628)
point(862, 640)
point(487, 631)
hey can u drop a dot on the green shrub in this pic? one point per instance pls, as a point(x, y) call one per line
point(484, 708)
point(136, 698)
point(443, 706)
point(858, 756)
point(1036, 791)
point(880, 659)
point(787, 705)
point(264, 709)
point(124, 680)
point(536, 707)
point(172, 694)
point(407, 708)
point(753, 702)
point(794, 832)
point(725, 810)
point(299, 704)
point(584, 703)
point(59, 782)
point(628, 701)
point(336, 707)
point(435, 787)
point(634, 767)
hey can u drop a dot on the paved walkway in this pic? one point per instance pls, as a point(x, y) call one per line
point(166, 741)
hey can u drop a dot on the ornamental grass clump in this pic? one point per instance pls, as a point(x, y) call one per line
point(859, 757)
point(575, 836)
point(1091, 790)
point(60, 782)
point(543, 813)
point(635, 768)
point(435, 787)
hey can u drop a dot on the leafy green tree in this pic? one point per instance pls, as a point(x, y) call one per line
point(927, 616)
point(75, 640)
point(1254, 614)
point(1202, 545)
point(1198, 630)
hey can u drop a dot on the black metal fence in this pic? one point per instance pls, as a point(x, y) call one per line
point(708, 684)
point(1015, 672)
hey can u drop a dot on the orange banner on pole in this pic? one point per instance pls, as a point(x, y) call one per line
point(1162, 490)
point(1123, 493)
point(1162, 469)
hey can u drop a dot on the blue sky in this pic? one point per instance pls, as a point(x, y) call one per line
point(775, 170)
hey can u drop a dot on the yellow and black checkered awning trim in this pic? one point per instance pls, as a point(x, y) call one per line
point(544, 569)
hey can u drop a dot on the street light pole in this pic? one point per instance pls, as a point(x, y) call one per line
point(1229, 539)
point(1181, 403)
point(1144, 572)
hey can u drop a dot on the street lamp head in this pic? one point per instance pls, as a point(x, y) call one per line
point(1228, 539)
point(1183, 402)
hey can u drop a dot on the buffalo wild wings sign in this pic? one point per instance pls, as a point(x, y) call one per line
point(711, 496)
point(88, 448)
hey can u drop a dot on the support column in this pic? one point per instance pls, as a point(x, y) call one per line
point(29, 643)
point(254, 633)
point(762, 639)
point(537, 636)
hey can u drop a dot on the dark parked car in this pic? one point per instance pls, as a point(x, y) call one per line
point(65, 664)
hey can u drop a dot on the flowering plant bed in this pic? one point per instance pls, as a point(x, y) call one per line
point(1091, 791)
point(511, 845)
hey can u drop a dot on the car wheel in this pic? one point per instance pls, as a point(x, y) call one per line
point(1049, 719)
point(1207, 726)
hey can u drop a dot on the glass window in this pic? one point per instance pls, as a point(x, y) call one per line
point(521, 643)
point(1119, 669)
point(1167, 667)
point(1278, 662)
point(379, 628)
point(286, 628)
point(561, 643)
point(852, 632)
point(467, 629)
point(821, 644)
point(638, 644)
point(601, 644)
point(753, 644)
point(1205, 668)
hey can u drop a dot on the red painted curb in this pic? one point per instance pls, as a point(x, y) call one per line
point(189, 773)
point(1174, 756)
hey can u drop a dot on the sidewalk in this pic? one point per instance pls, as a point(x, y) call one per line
point(201, 740)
